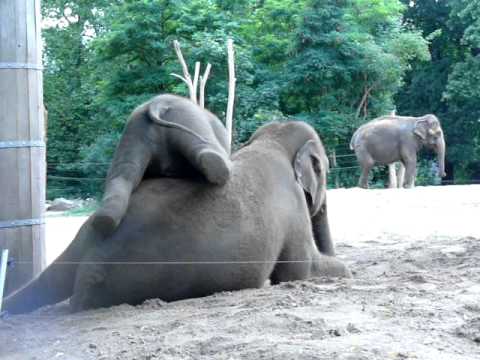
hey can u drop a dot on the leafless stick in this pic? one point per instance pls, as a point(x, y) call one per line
point(186, 75)
point(203, 82)
point(195, 80)
point(231, 91)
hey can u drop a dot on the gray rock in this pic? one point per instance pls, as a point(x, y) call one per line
point(62, 204)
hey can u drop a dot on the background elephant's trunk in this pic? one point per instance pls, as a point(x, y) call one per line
point(440, 150)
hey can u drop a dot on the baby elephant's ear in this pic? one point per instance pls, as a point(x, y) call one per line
point(156, 111)
point(307, 170)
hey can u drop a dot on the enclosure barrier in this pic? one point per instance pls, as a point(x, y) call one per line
point(22, 146)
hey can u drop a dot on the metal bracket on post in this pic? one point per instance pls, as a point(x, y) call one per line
point(21, 144)
point(24, 222)
point(15, 65)
point(3, 274)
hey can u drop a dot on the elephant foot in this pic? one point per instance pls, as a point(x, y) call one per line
point(215, 167)
point(89, 288)
point(104, 222)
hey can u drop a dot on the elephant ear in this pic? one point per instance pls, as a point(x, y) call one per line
point(421, 128)
point(307, 169)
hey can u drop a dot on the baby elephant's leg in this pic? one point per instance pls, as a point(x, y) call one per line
point(214, 165)
point(207, 156)
point(114, 205)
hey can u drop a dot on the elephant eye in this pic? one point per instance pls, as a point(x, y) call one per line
point(316, 165)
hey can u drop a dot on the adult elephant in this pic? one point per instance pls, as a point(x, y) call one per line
point(167, 136)
point(389, 139)
point(269, 221)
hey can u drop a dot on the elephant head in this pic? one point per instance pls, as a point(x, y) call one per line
point(307, 155)
point(429, 132)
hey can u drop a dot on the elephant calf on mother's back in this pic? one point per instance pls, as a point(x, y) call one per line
point(269, 221)
point(167, 136)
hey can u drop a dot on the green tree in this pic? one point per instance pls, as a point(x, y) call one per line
point(447, 86)
point(350, 58)
point(69, 86)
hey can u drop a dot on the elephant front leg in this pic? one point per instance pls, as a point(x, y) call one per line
point(329, 266)
point(410, 173)
point(114, 205)
point(123, 178)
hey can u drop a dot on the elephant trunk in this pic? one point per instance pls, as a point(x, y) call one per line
point(321, 232)
point(441, 157)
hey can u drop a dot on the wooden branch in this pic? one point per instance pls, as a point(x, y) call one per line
point(231, 91)
point(362, 101)
point(195, 81)
point(180, 77)
point(203, 82)
point(186, 75)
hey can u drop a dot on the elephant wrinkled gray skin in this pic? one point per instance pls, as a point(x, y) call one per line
point(388, 139)
point(167, 136)
point(268, 222)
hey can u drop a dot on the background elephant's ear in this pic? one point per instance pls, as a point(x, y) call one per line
point(307, 167)
point(420, 129)
point(156, 111)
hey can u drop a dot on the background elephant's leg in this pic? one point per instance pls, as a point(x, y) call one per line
point(401, 175)
point(392, 177)
point(363, 182)
point(410, 172)
point(366, 163)
point(321, 232)
point(125, 174)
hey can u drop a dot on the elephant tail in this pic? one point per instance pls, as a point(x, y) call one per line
point(156, 111)
point(352, 140)
point(56, 282)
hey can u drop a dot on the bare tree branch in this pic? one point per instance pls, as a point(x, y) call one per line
point(186, 75)
point(231, 91)
point(195, 80)
point(203, 82)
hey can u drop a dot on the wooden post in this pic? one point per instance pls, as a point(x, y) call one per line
point(231, 92)
point(22, 146)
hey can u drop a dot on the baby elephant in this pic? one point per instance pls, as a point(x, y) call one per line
point(389, 139)
point(168, 136)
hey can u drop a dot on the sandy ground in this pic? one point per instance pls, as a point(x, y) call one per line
point(415, 295)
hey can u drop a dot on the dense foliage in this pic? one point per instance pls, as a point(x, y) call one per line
point(332, 63)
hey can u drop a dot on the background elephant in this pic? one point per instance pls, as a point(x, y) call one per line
point(167, 136)
point(268, 222)
point(388, 139)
